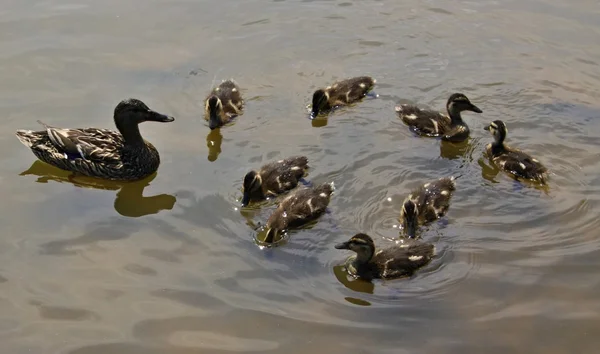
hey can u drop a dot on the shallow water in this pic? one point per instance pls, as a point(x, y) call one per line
point(168, 264)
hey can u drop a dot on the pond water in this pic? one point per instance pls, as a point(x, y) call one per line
point(169, 265)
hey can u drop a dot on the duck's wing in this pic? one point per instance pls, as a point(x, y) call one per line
point(424, 121)
point(98, 145)
point(283, 175)
point(521, 165)
point(398, 261)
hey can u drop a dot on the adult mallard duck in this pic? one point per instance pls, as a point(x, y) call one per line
point(513, 161)
point(393, 262)
point(426, 203)
point(274, 178)
point(341, 93)
point(222, 104)
point(102, 153)
point(431, 123)
point(297, 209)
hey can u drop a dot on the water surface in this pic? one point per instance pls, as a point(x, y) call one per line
point(168, 264)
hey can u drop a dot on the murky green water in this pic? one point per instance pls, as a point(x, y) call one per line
point(168, 265)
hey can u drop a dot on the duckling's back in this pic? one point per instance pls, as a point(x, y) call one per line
point(401, 260)
point(434, 198)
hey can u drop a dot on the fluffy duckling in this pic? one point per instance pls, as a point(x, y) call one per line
point(426, 203)
point(102, 153)
point(299, 208)
point(274, 178)
point(222, 104)
point(393, 262)
point(510, 160)
point(341, 93)
point(431, 123)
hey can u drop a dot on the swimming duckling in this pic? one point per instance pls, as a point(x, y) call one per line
point(426, 203)
point(274, 178)
point(102, 153)
point(341, 93)
point(431, 123)
point(299, 208)
point(510, 160)
point(393, 262)
point(222, 104)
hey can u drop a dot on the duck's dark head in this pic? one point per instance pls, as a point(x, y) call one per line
point(409, 216)
point(458, 103)
point(134, 110)
point(214, 108)
point(360, 243)
point(320, 98)
point(498, 130)
point(252, 183)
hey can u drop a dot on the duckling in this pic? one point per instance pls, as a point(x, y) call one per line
point(274, 178)
point(299, 208)
point(393, 262)
point(222, 104)
point(431, 123)
point(341, 93)
point(101, 153)
point(510, 160)
point(426, 203)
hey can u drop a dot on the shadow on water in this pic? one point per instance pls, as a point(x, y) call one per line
point(129, 200)
point(213, 141)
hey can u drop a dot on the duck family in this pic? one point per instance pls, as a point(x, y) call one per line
point(125, 155)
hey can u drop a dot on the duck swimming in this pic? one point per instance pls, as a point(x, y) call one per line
point(341, 93)
point(431, 123)
point(102, 153)
point(222, 104)
point(274, 178)
point(513, 161)
point(426, 203)
point(299, 208)
point(392, 262)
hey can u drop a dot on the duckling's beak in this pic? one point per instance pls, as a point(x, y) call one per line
point(245, 199)
point(154, 116)
point(487, 128)
point(475, 109)
point(343, 245)
point(410, 228)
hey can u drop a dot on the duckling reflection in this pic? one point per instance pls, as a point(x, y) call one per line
point(454, 151)
point(129, 199)
point(213, 141)
point(352, 282)
point(398, 261)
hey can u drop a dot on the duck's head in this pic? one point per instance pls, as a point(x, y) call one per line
point(135, 111)
point(214, 107)
point(409, 216)
point(252, 183)
point(360, 243)
point(458, 102)
point(498, 130)
point(320, 98)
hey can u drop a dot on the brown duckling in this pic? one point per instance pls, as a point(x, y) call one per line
point(341, 93)
point(513, 161)
point(274, 178)
point(392, 262)
point(299, 208)
point(431, 123)
point(222, 104)
point(426, 203)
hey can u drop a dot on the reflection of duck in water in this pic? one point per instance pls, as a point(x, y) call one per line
point(101, 153)
point(213, 141)
point(129, 200)
point(393, 262)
